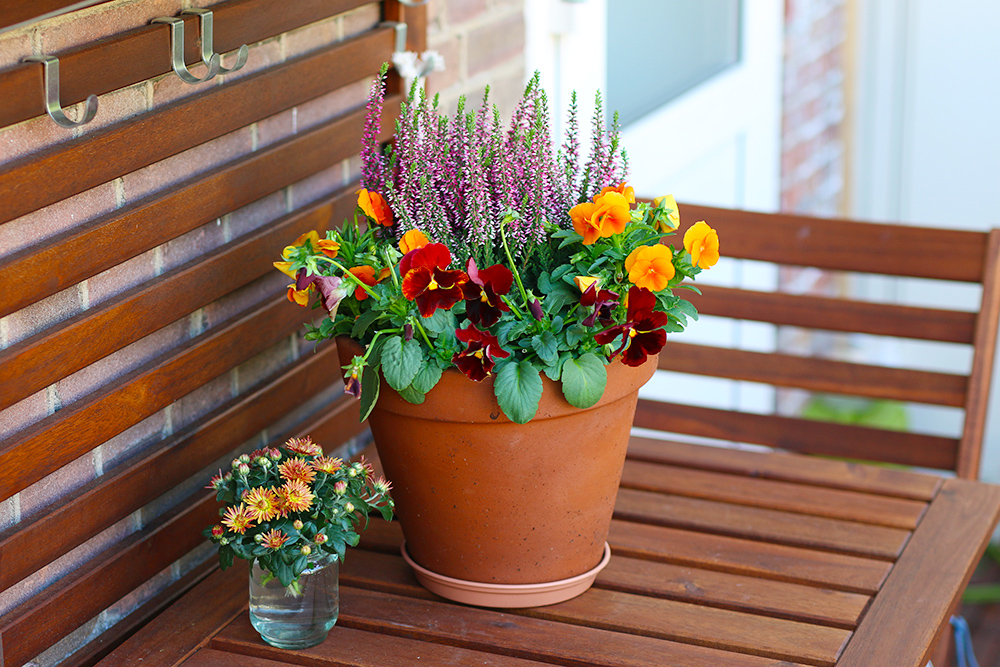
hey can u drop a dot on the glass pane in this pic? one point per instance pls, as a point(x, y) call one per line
point(658, 50)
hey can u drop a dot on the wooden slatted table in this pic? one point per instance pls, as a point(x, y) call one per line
point(721, 558)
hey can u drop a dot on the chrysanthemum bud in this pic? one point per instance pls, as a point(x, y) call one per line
point(217, 531)
point(305, 550)
point(258, 538)
point(244, 469)
point(263, 462)
point(224, 541)
point(320, 538)
point(244, 458)
point(340, 488)
point(297, 525)
point(274, 454)
point(348, 508)
point(236, 463)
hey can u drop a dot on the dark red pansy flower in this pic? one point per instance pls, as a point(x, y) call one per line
point(477, 359)
point(483, 304)
point(642, 334)
point(427, 281)
point(602, 301)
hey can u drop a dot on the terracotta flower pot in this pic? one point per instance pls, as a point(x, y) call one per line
point(482, 499)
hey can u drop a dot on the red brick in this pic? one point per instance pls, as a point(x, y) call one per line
point(437, 20)
point(318, 186)
point(253, 216)
point(114, 107)
point(495, 43)
point(332, 104)
point(460, 11)
point(43, 314)
point(24, 413)
point(119, 278)
point(14, 46)
point(361, 19)
point(132, 440)
point(59, 217)
point(195, 243)
point(264, 364)
point(450, 49)
point(100, 373)
point(185, 165)
point(312, 37)
point(93, 23)
point(200, 401)
point(275, 128)
point(263, 289)
point(261, 56)
point(170, 88)
point(71, 476)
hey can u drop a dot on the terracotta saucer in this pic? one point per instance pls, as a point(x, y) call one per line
point(506, 595)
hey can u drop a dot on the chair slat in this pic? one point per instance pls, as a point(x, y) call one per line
point(825, 375)
point(813, 312)
point(800, 435)
point(847, 245)
point(79, 164)
point(46, 268)
point(43, 448)
point(30, 545)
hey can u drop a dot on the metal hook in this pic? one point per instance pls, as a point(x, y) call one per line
point(207, 42)
point(400, 29)
point(177, 52)
point(52, 104)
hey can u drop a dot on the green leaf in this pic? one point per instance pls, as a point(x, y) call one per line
point(364, 321)
point(426, 378)
point(687, 308)
point(583, 380)
point(546, 346)
point(225, 557)
point(411, 395)
point(518, 388)
point(437, 322)
point(370, 384)
point(575, 334)
point(401, 361)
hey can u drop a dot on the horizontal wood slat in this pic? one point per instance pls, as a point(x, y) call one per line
point(144, 53)
point(840, 572)
point(847, 245)
point(79, 596)
point(816, 473)
point(41, 360)
point(42, 270)
point(814, 312)
point(771, 494)
point(800, 435)
point(76, 165)
point(956, 530)
point(14, 12)
point(38, 450)
point(762, 525)
point(30, 545)
point(825, 375)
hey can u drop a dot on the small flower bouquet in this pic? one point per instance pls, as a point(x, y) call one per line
point(484, 250)
point(288, 503)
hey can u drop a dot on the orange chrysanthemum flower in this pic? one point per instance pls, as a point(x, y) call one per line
point(606, 216)
point(703, 243)
point(273, 539)
point(237, 519)
point(304, 446)
point(261, 503)
point(624, 190)
point(375, 207)
point(412, 240)
point(650, 266)
point(296, 470)
point(295, 496)
point(327, 464)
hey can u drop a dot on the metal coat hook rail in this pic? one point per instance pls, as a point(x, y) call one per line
point(177, 53)
point(208, 42)
point(53, 107)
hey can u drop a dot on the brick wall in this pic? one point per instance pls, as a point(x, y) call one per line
point(812, 141)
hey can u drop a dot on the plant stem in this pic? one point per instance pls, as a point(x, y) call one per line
point(392, 272)
point(357, 280)
point(517, 275)
point(513, 307)
point(423, 333)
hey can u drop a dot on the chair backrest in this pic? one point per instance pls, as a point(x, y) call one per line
point(843, 246)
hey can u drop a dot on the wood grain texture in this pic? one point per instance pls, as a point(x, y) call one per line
point(75, 518)
point(970, 448)
point(922, 588)
point(18, 11)
point(44, 269)
point(29, 629)
point(832, 314)
point(772, 494)
point(762, 525)
point(816, 473)
point(38, 450)
point(73, 344)
point(79, 164)
point(800, 435)
point(184, 626)
point(847, 245)
point(812, 374)
point(144, 53)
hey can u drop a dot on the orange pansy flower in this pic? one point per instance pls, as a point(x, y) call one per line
point(328, 247)
point(702, 242)
point(412, 240)
point(299, 296)
point(606, 216)
point(375, 207)
point(286, 268)
point(366, 274)
point(312, 237)
point(650, 266)
point(624, 190)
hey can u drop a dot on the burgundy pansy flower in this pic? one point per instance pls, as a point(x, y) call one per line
point(483, 304)
point(427, 281)
point(477, 359)
point(603, 302)
point(641, 334)
point(331, 288)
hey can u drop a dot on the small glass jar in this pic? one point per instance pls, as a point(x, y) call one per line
point(299, 615)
